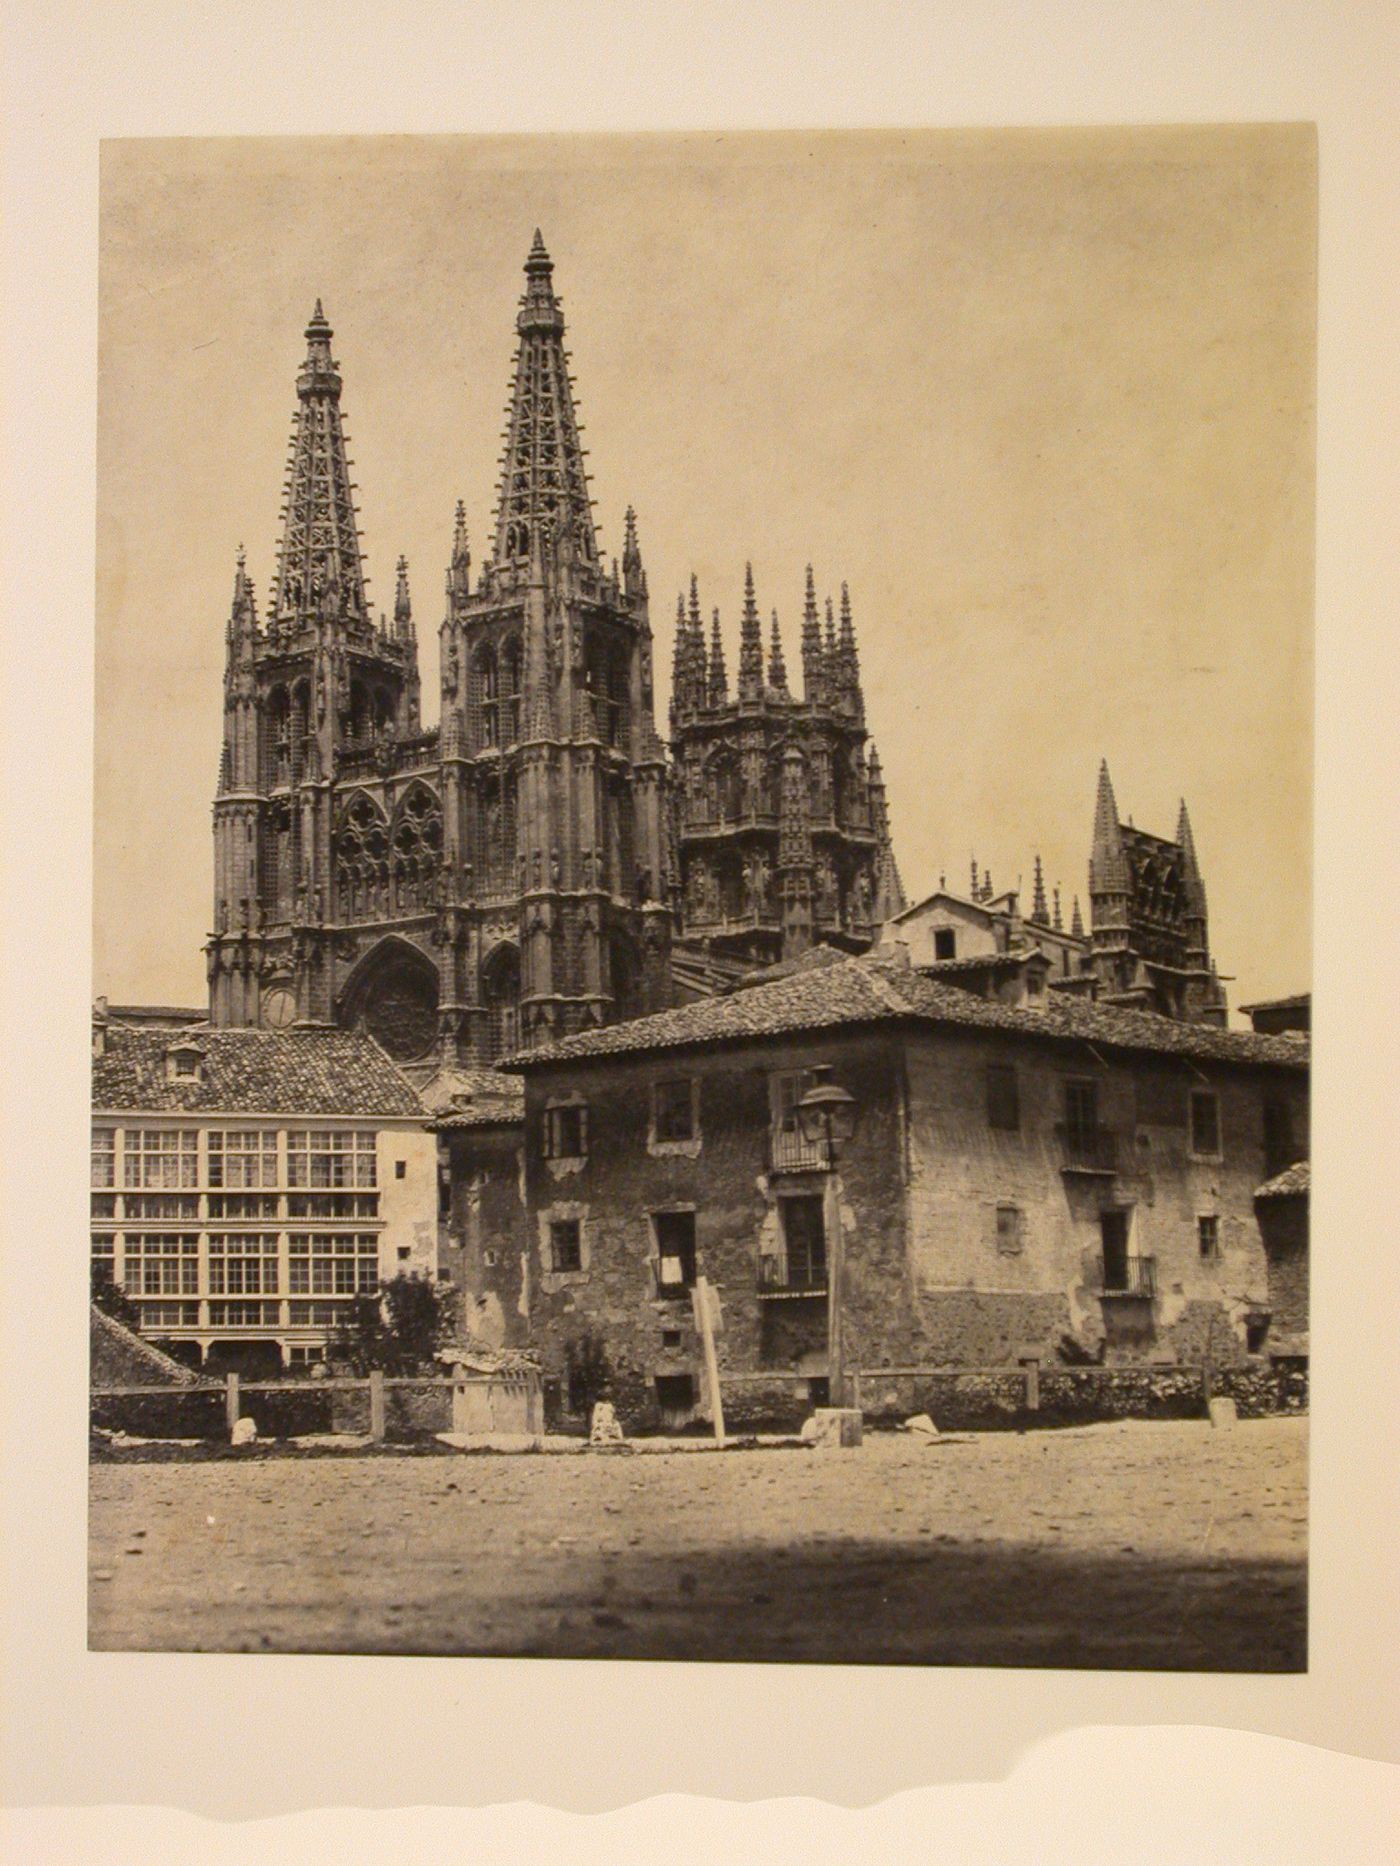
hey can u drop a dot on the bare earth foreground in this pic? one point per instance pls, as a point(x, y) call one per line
point(1156, 1546)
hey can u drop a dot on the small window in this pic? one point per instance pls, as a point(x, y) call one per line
point(403, 1253)
point(1208, 1234)
point(1010, 1236)
point(488, 1259)
point(184, 1065)
point(670, 1337)
point(400, 1169)
point(1205, 1122)
point(1035, 982)
point(565, 1244)
point(566, 1132)
point(945, 943)
point(674, 1109)
point(675, 1252)
point(1003, 1097)
point(1082, 1107)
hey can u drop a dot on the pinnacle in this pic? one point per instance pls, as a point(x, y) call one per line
point(538, 258)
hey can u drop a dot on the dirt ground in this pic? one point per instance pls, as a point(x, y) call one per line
point(1157, 1546)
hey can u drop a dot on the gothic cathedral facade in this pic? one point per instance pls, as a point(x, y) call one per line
point(539, 862)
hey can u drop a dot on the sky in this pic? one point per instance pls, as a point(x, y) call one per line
point(1043, 399)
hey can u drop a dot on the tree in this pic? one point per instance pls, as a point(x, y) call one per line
point(394, 1331)
point(113, 1300)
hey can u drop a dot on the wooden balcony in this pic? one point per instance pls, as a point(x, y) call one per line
point(1088, 1150)
point(791, 1276)
point(1137, 1276)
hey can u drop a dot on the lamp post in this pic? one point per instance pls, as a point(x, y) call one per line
point(826, 1115)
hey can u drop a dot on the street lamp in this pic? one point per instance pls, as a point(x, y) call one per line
point(826, 1115)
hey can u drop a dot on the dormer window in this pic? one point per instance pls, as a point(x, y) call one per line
point(184, 1062)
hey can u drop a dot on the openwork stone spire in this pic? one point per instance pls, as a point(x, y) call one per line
point(319, 568)
point(777, 667)
point(750, 643)
point(811, 644)
point(543, 494)
point(718, 677)
point(1040, 911)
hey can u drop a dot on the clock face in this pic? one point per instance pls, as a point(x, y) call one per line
point(279, 1007)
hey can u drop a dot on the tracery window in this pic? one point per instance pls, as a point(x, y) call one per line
point(361, 861)
point(417, 846)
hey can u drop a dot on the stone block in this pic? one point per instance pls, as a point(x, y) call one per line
point(921, 1425)
point(244, 1431)
point(1222, 1413)
point(834, 1428)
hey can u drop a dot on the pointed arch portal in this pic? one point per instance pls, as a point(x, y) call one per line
point(393, 996)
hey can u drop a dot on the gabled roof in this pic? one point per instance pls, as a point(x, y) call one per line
point(294, 1072)
point(1294, 1182)
point(869, 990)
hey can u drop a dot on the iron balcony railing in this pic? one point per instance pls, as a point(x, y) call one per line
point(1136, 1276)
point(1088, 1149)
point(791, 1276)
point(794, 1153)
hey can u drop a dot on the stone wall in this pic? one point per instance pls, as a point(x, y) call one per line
point(982, 1288)
point(1283, 1223)
point(482, 1246)
point(724, 1177)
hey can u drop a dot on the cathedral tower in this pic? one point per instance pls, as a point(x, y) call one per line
point(782, 824)
point(1148, 924)
point(316, 692)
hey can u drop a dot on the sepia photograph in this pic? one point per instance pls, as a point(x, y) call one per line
point(702, 897)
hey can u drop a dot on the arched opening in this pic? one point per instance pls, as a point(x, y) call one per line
point(393, 996)
point(277, 738)
point(500, 997)
point(484, 697)
point(417, 849)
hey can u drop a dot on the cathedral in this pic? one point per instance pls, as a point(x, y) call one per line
point(540, 862)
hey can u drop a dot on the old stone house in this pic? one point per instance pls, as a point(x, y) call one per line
point(1066, 1181)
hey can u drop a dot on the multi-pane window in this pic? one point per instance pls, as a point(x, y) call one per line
point(160, 1264)
point(243, 1157)
point(243, 1264)
point(1208, 1234)
point(104, 1205)
point(103, 1259)
point(169, 1315)
point(315, 1314)
point(333, 1205)
point(150, 1205)
point(1003, 1097)
point(104, 1156)
point(331, 1158)
point(1010, 1230)
point(1205, 1122)
point(244, 1314)
point(565, 1244)
point(566, 1132)
point(674, 1106)
point(675, 1251)
point(161, 1157)
point(333, 1265)
point(228, 1205)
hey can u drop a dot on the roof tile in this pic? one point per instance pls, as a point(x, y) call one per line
point(295, 1072)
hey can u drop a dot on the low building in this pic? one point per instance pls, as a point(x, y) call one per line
point(1276, 1017)
point(1021, 1183)
point(247, 1185)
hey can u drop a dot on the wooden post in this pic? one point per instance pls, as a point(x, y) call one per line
point(1032, 1385)
point(376, 1407)
point(231, 1403)
point(835, 1263)
point(705, 1317)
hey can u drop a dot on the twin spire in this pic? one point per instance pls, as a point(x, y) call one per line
point(830, 662)
point(319, 567)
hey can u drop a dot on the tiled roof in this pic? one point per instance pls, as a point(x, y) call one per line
point(1295, 1003)
point(815, 959)
point(1293, 1182)
point(983, 962)
point(870, 990)
point(294, 1072)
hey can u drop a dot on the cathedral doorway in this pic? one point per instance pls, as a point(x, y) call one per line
point(393, 997)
